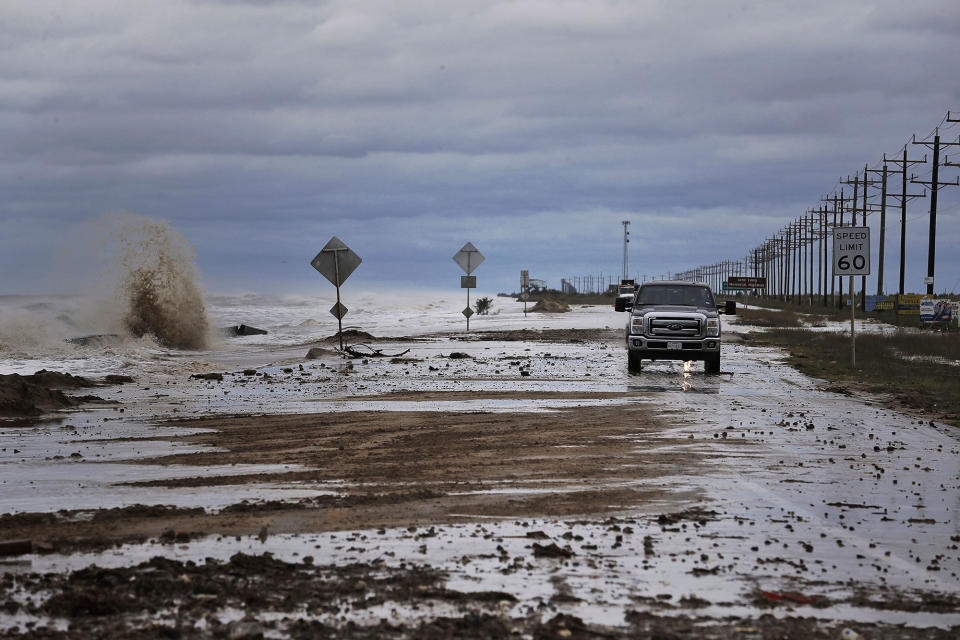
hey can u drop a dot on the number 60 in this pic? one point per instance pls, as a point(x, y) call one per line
point(859, 262)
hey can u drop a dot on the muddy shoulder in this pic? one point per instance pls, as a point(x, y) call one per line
point(395, 469)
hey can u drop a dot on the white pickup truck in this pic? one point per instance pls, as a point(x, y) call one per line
point(673, 320)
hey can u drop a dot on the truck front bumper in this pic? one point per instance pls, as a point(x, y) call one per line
point(663, 349)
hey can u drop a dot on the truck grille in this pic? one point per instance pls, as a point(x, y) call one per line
point(662, 344)
point(665, 326)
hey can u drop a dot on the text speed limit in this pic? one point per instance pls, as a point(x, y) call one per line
point(851, 251)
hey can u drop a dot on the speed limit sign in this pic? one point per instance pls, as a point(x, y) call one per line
point(851, 251)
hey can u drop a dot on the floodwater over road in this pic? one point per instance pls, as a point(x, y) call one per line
point(771, 494)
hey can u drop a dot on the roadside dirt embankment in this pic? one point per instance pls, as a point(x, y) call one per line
point(39, 393)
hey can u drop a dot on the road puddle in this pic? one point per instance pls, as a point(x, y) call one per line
point(747, 493)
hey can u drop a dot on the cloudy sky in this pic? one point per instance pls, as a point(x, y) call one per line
point(259, 129)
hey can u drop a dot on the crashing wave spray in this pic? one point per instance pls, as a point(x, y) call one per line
point(160, 284)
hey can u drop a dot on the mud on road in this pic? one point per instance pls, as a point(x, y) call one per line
point(460, 497)
point(404, 468)
point(187, 600)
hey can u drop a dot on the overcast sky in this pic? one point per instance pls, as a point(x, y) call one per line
point(531, 128)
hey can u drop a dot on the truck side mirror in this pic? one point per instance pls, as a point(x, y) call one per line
point(731, 307)
point(622, 304)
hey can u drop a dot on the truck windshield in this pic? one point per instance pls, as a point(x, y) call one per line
point(676, 295)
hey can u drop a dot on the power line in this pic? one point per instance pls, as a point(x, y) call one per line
point(788, 255)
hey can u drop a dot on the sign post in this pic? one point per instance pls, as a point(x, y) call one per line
point(335, 262)
point(746, 284)
point(524, 287)
point(469, 258)
point(851, 257)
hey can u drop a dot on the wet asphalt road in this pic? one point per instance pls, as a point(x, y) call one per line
point(812, 497)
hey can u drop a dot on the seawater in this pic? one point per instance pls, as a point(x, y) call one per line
point(34, 329)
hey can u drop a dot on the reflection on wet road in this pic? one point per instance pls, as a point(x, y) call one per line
point(808, 493)
point(834, 487)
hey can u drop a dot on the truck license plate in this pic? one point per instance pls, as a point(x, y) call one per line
point(674, 346)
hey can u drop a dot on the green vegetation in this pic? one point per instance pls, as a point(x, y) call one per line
point(826, 312)
point(768, 318)
point(483, 305)
point(834, 313)
point(911, 369)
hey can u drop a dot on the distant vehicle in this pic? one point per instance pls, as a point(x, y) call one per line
point(673, 320)
point(625, 290)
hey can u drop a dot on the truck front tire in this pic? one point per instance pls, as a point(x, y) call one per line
point(633, 361)
point(712, 363)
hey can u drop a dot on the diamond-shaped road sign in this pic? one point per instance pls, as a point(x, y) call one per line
point(336, 261)
point(469, 258)
point(467, 312)
point(338, 311)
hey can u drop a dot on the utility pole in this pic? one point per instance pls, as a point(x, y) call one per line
point(823, 255)
point(904, 163)
point(853, 223)
point(866, 207)
point(935, 185)
point(802, 257)
point(779, 243)
point(798, 260)
point(818, 295)
point(768, 290)
point(804, 241)
point(810, 242)
point(790, 269)
point(626, 241)
point(814, 273)
point(791, 244)
point(784, 254)
point(866, 194)
point(839, 299)
point(772, 267)
point(782, 242)
point(807, 262)
point(795, 265)
point(826, 261)
point(883, 222)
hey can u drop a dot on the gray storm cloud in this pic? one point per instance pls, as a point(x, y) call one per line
point(259, 129)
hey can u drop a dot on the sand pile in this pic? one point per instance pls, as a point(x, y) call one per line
point(350, 335)
point(549, 305)
point(39, 393)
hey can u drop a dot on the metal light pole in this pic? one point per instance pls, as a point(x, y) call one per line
point(626, 241)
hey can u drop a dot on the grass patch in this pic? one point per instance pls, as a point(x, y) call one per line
point(575, 298)
point(828, 312)
point(928, 386)
point(768, 318)
point(927, 344)
point(831, 312)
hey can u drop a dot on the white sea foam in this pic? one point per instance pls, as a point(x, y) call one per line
point(34, 329)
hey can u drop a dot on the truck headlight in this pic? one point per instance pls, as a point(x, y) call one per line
point(636, 325)
point(713, 327)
